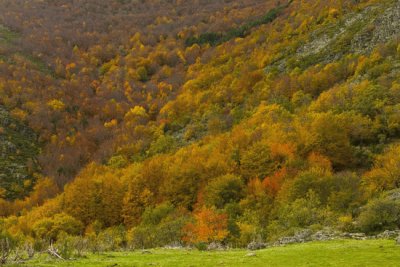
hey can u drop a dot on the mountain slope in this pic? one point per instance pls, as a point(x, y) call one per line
point(18, 150)
point(292, 124)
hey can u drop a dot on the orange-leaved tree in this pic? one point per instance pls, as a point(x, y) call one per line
point(209, 225)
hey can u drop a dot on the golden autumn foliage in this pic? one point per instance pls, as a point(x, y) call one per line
point(385, 173)
point(95, 195)
point(251, 120)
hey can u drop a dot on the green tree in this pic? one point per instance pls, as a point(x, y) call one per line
point(224, 190)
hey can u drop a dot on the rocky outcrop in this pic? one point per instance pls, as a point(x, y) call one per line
point(299, 237)
point(383, 28)
point(307, 235)
point(356, 236)
point(393, 195)
point(389, 234)
point(357, 33)
point(328, 234)
point(325, 235)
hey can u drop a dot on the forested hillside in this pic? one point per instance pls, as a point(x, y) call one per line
point(18, 164)
point(147, 123)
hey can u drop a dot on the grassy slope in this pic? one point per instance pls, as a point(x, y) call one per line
point(18, 151)
point(7, 42)
point(18, 143)
point(331, 253)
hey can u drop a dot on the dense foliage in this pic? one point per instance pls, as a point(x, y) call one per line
point(168, 122)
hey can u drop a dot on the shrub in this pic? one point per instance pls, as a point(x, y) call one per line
point(302, 213)
point(341, 192)
point(50, 228)
point(65, 245)
point(160, 226)
point(380, 214)
point(202, 246)
point(7, 245)
point(345, 223)
point(112, 239)
point(81, 245)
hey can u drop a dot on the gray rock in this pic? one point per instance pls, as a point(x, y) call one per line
point(398, 240)
point(251, 254)
point(288, 240)
point(326, 234)
point(215, 246)
point(345, 235)
point(389, 234)
point(384, 27)
point(256, 245)
point(394, 195)
point(300, 237)
point(174, 245)
point(358, 236)
point(304, 235)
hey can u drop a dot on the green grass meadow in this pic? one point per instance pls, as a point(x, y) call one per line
point(383, 253)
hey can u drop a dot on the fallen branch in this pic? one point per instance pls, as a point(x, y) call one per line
point(53, 252)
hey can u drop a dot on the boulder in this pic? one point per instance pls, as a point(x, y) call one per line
point(389, 234)
point(174, 245)
point(256, 245)
point(215, 246)
point(398, 240)
point(300, 237)
point(323, 235)
point(287, 240)
point(358, 236)
point(251, 254)
point(304, 235)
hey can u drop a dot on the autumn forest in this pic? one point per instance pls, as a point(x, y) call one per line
point(150, 123)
